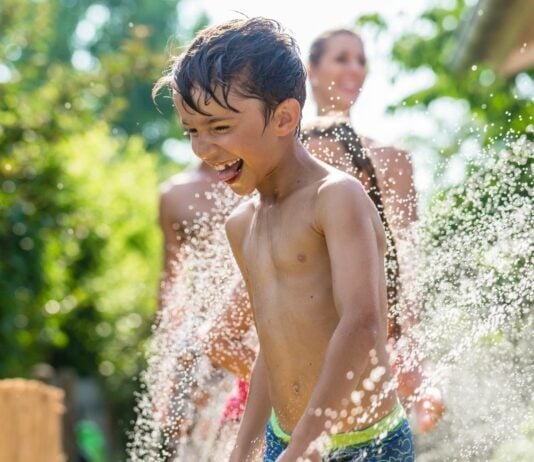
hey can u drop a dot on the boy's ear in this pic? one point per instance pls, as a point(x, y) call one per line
point(286, 117)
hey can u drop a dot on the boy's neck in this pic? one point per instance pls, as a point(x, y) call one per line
point(295, 169)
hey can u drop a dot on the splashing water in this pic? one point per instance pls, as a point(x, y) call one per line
point(174, 422)
point(475, 284)
point(473, 288)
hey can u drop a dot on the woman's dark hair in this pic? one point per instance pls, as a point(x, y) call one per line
point(339, 130)
point(318, 46)
point(254, 57)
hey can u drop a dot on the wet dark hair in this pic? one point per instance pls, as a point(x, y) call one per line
point(253, 57)
point(338, 129)
point(318, 46)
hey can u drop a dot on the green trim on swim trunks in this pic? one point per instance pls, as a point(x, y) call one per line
point(280, 434)
point(341, 440)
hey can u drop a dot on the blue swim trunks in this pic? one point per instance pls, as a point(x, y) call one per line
point(388, 440)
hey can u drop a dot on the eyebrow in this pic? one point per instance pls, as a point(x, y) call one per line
point(210, 121)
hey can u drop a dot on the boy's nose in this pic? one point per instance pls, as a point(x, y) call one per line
point(203, 147)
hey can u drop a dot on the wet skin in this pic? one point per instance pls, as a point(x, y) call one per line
point(311, 250)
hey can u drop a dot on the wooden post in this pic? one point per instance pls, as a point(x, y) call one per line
point(30, 421)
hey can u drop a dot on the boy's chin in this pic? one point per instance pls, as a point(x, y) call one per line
point(241, 190)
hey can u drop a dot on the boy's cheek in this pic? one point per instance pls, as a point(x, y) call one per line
point(194, 149)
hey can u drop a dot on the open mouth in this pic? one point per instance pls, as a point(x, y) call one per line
point(230, 170)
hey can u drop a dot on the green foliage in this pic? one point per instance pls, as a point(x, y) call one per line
point(474, 241)
point(495, 115)
point(79, 274)
point(494, 184)
point(374, 19)
point(496, 112)
point(79, 242)
point(128, 52)
point(496, 107)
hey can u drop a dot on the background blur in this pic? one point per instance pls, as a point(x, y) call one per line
point(83, 149)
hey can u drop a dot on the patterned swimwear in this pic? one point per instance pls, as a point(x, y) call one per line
point(388, 440)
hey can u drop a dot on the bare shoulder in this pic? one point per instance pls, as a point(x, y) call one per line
point(390, 160)
point(340, 184)
point(342, 192)
point(345, 211)
point(239, 219)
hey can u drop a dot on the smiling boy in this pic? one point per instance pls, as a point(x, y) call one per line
point(310, 246)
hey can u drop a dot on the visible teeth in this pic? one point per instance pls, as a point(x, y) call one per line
point(222, 167)
point(231, 163)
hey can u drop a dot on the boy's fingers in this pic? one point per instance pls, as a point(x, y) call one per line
point(428, 412)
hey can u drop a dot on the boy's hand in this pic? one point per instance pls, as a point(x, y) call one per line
point(288, 456)
point(429, 406)
point(299, 453)
point(428, 410)
point(252, 454)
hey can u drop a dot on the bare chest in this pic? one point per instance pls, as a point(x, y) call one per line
point(283, 243)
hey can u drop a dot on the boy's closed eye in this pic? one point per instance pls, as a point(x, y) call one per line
point(192, 132)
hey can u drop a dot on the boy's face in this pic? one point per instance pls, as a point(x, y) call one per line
point(237, 144)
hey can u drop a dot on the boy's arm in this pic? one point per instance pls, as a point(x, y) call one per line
point(224, 343)
point(249, 441)
point(250, 435)
point(345, 219)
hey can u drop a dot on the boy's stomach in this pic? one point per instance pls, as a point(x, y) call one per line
point(291, 389)
point(293, 343)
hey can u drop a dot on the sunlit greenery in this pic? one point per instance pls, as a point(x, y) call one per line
point(491, 137)
point(80, 165)
point(494, 108)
